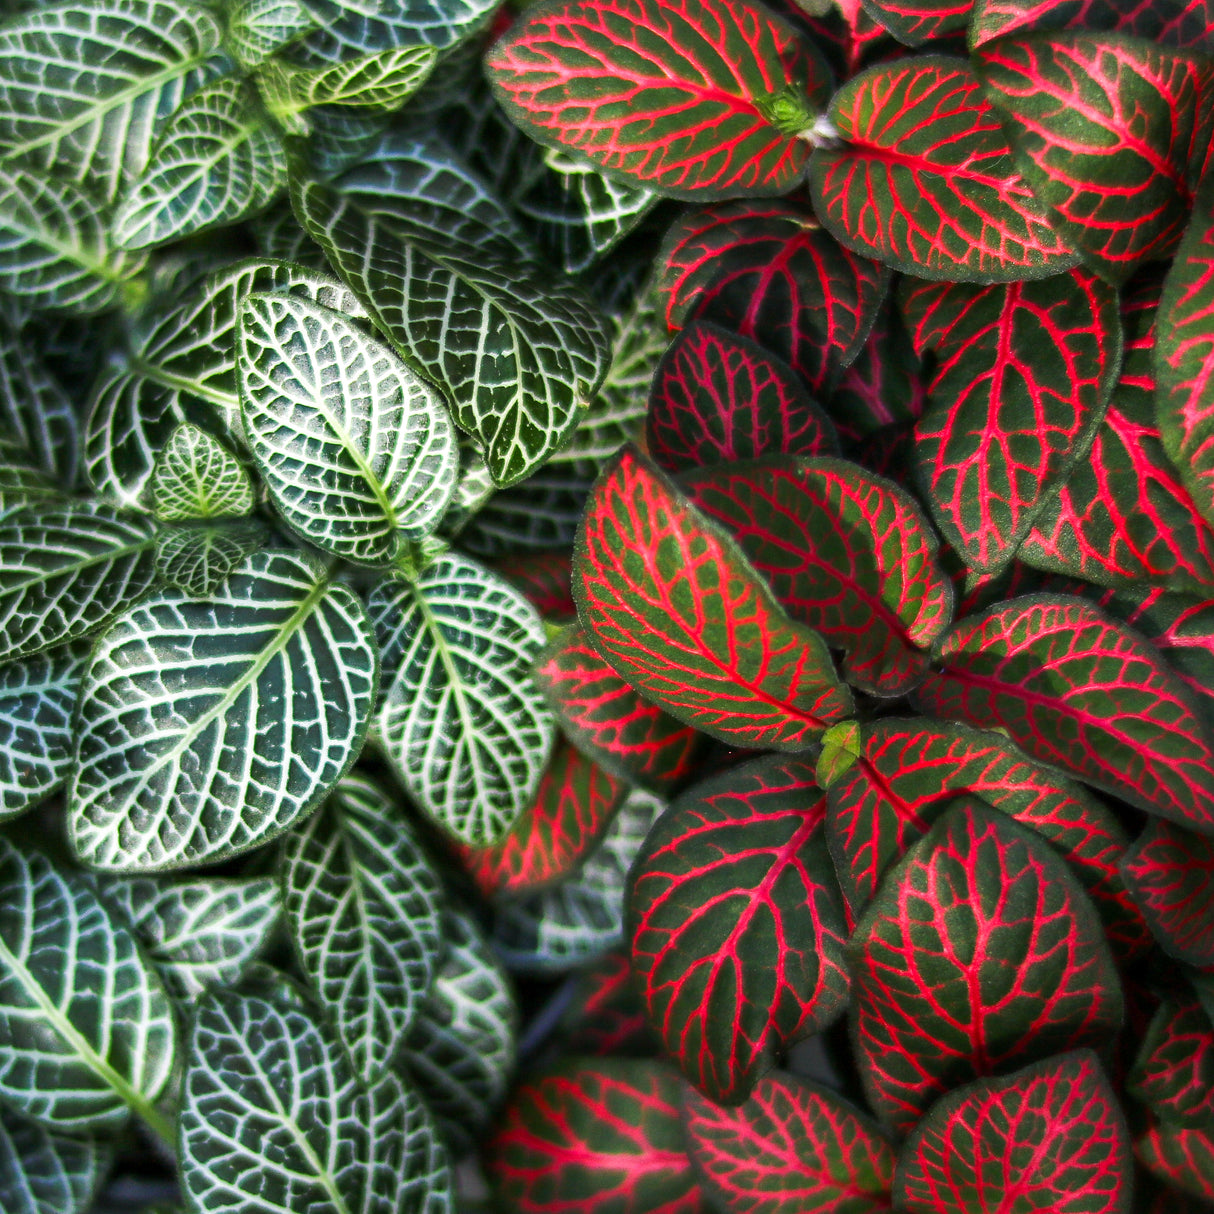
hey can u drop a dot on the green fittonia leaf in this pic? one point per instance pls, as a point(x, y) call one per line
point(86, 1028)
point(44, 1172)
point(272, 1110)
point(197, 477)
point(257, 28)
point(207, 727)
point(196, 558)
point(362, 908)
point(462, 719)
point(356, 449)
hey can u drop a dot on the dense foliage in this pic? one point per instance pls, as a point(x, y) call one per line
point(607, 607)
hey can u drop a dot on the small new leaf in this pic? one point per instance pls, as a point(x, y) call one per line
point(197, 477)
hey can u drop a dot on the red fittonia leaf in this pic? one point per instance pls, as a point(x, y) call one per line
point(1101, 127)
point(1021, 376)
point(847, 554)
point(846, 34)
point(606, 1016)
point(1180, 24)
point(1170, 873)
point(767, 270)
point(1078, 690)
point(739, 927)
point(677, 610)
point(979, 954)
point(573, 806)
point(692, 100)
point(1049, 1137)
point(1182, 1156)
point(1174, 1071)
point(791, 1147)
point(719, 397)
point(1184, 357)
point(904, 773)
point(609, 720)
point(594, 1134)
point(543, 577)
point(924, 179)
point(914, 22)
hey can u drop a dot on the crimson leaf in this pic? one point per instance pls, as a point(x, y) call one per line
point(1174, 1070)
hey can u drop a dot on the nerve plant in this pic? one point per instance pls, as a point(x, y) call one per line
point(776, 629)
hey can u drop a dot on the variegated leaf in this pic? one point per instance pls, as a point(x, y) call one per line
point(197, 477)
point(45, 1172)
point(257, 28)
point(197, 558)
point(383, 80)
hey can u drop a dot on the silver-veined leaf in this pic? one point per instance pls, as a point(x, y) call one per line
point(198, 557)
point(461, 1050)
point(356, 449)
point(206, 727)
point(196, 476)
point(383, 80)
point(199, 933)
point(66, 571)
point(518, 351)
point(217, 160)
point(83, 87)
point(86, 1028)
point(44, 1172)
point(462, 719)
point(55, 250)
point(274, 1120)
point(362, 907)
point(37, 695)
point(354, 27)
point(257, 28)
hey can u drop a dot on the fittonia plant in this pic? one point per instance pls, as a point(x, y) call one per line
point(696, 513)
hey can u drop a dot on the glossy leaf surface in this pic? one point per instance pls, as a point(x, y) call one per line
point(1170, 873)
point(196, 476)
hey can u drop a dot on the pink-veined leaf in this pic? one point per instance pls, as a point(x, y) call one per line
point(718, 397)
point(606, 1016)
point(904, 774)
point(846, 34)
point(696, 100)
point(1170, 874)
point(1078, 690)
point(1180, 1155)
point(768, 271)
point(594, 1135)
point(847, 554)
point(738, 925)
point(980, 954)
point(790, 1147)
point(1184, 357)
point(543, 578)
point(1174, 1071)
point(1050, 1137)
point(1181, 24)
point(609, 720)
point(573, 806)
point(1022, 374)
point(924, 181)
point(1101, 128)
point(676, 609)
point(915, 22)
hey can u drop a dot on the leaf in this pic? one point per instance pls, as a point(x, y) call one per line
point(605, 718)
point(445, 307)
point(206, 728)
point(791, 1146)
point(979, 954)
point(730, 89)
point(257, 28)
point(461, 719)
point(1022, 374)
point(66, 571)
point(358, 26)
point(357, 451)
point(42, 1172)
point(37, 696)
point(573, 806)
point(904, 773)
point(272, 1113)
point(1081, 692)
point(1183, 1157)
point(924, 179)
point(847, 554)
point(686, 620)
point(215, 162)
point(738, 927)
point(460, 1052)
point(1172, 23)
point(197, 560)
point(383, 80)
point(55, 250)
point(199, 934)
point(1173, 1073)
point(605, 1016)
point(597, 1135)
point(196, 476)
point(543, 579)
point(84, 88)
point(86, 1029)
point(1170, 874)
point(362, 907)
point(719, 397)
point(1100, 127)
point(768, 271)
point(916, 22)
point(1050, 1136)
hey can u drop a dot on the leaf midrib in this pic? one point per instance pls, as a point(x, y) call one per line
point(158, 375)
point(110, 554)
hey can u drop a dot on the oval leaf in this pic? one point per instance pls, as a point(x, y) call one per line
point(196, 476)
point(1174, 1069)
